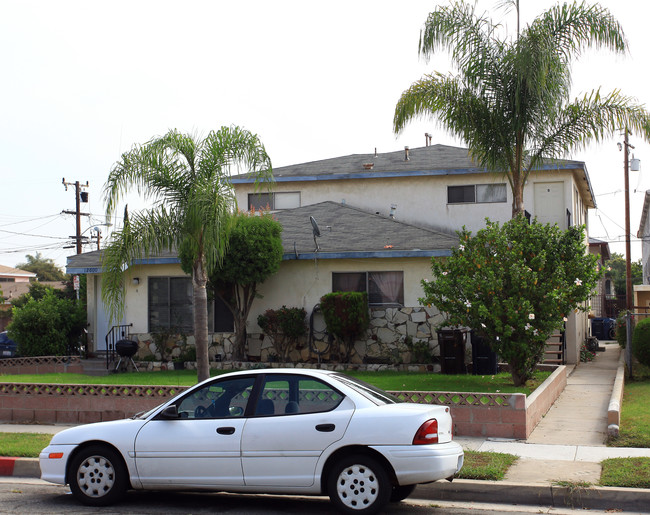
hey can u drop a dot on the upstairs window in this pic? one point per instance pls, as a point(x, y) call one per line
point(383, 288)
point(274, 201)
point(477, 194)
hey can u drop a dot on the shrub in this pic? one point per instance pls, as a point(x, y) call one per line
point(346, 316)
point(284, 326)
point(46, 327)
point(641, 341)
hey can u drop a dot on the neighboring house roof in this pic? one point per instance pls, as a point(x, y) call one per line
point(9, 272)
point(12, 291)
point(603, 247)
point(422, 161)
point(346, 232)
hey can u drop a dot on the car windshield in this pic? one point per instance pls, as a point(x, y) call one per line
point(369, 391)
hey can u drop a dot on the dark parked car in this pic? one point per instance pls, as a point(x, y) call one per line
point(8, 347)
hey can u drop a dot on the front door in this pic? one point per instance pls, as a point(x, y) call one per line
point(202, 447)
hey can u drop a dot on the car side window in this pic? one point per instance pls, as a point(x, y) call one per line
point(218, 399)
point(289, 394)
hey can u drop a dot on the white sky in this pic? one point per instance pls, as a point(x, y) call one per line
point(85, 80)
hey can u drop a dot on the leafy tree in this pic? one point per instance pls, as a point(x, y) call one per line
point(514, 284)
point(616, 270)
point(510, 99)
point(641, 341)
point(44, 268)
point(38, 290)
point(188, 180)
point(47, 326)
point(346, 317)
point(253, 254)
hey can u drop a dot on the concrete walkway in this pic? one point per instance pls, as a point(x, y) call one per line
point(569, 442)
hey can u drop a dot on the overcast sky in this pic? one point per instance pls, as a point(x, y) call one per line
point(83, 81)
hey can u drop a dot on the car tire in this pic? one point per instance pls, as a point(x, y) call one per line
point(612, 333)
point(400, 493)
point(97, 476)
point(359, 485)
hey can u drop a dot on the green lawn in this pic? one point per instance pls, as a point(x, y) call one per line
point(387, 380)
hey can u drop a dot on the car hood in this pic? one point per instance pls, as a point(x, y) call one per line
point(116, 431)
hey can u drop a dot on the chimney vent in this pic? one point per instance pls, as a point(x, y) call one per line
point(406, 154)
point(427, 139)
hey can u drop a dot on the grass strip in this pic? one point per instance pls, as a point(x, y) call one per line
point(626, 472)
point(23, 445)
point(386, 380)
point(487, 466)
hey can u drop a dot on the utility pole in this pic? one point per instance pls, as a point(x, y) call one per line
point(80, 196)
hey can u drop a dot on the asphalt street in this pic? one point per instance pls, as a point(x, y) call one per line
point(36, 497)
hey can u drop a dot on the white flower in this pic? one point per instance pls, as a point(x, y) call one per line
point(528, 326)
point(445, 273)
point(578, 281)
point(531, 316)
point(468, 304)
point(461, 247)
point(565, 319)
point(483, 325)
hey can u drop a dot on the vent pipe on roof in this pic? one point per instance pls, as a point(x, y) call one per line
point(375, 151)
point(406, 154)
point(427, 139)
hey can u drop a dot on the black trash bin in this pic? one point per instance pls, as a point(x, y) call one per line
point(484, 360)
point(452, 350)
point(603, 328)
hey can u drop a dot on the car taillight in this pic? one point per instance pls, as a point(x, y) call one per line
point(428, 433)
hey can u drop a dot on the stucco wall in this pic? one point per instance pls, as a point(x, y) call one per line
point(424, 199)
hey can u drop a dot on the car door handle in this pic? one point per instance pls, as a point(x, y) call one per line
point(226, 430)
point(325, 428)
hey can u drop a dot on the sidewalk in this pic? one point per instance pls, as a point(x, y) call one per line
point(567, 445)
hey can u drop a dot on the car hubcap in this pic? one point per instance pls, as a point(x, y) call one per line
point(357, 487)
point(96, 476)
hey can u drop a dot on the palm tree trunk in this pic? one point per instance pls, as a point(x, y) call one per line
point(517, 196)
point(199, 281)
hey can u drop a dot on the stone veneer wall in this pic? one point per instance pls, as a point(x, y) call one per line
point(391, 338)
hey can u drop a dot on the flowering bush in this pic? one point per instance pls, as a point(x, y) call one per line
point(514, 285)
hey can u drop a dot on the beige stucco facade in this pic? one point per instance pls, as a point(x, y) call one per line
point(423, 199)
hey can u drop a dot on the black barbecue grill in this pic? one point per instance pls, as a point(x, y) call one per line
point(126, 349)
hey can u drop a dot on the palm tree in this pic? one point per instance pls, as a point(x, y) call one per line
point(510, 99)
point(188, 181)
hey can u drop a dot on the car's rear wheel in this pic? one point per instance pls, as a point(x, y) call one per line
point(400, 493)
point(359, 485)
point(97, 476)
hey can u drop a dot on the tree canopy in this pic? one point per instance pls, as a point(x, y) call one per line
point(44, 268)
point(188, 181)
point(510, 98)
point(615, 269)
point(514, 284)
point(253, 254)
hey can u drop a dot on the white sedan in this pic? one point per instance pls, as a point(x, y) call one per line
point(283, 431)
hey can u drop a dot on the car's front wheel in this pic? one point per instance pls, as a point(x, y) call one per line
point(97, 476)
point(359, 485)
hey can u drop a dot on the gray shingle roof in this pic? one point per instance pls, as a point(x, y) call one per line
point(348, 230)
point(433, 160)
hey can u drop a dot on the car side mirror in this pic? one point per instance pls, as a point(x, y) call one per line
point(170, 412)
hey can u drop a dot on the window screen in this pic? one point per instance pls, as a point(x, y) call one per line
point(170, 303)
point(491, 193)
point(383, 288)
point(460, 194)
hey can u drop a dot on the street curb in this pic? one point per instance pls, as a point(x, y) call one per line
point(466, 490)
point(592, 497)
point(20, 467)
